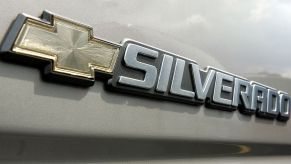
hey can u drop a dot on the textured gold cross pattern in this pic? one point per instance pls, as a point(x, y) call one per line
point(70, 45)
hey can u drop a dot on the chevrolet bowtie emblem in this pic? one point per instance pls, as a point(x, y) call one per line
point(70, 53)
point(69, 46)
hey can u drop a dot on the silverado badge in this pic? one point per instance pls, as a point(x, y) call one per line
point(68, 52)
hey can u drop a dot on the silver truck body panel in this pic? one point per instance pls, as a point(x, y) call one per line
point(42, 121)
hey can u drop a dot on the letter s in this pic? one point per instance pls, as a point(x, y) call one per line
point(130, 59)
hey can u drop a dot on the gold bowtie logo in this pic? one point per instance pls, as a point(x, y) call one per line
point(70, 46)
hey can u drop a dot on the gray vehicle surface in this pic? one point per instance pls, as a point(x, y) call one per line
point(42, 121)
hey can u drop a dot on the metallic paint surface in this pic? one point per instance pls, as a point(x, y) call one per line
point(240, 37)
